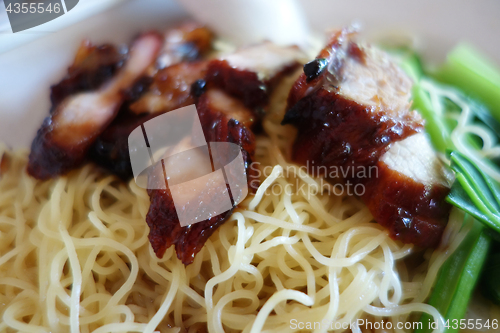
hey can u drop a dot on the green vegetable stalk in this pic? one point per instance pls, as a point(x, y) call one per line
point(457, 279)
point(475, 192)
point(435, 126)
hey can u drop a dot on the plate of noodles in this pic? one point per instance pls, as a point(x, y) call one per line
point(365, 193)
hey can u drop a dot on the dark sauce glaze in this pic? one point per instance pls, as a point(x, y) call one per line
point(48, 159)
point(165, 230)
point(411, 211)
point(240, 83)
point(335, 131)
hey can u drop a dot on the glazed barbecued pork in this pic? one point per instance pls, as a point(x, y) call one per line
point(252, 72)
point(225, 116)
point(253, 69)
point(65, 137)
point(170, 89)
point(408, 196)
point(223, 119)
point(352, 109)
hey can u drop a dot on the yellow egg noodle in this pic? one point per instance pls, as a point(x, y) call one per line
point(74, 257)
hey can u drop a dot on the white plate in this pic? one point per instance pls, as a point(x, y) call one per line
point(27, 72)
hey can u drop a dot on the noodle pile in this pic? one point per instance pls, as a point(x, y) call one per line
point(74, 257)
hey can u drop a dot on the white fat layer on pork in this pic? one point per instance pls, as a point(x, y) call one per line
point(415, 158)
point(376, 82)
point(87, 108)
point(266, 59)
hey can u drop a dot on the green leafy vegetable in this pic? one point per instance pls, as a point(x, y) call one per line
point(475, 192)
point(457, 279)
point(483, 114)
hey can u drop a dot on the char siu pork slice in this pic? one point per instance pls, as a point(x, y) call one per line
point(62, 142)
point(252, 72)
point(352, 109)
point(350, 106)
point(408, 196)
point(223, 119)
